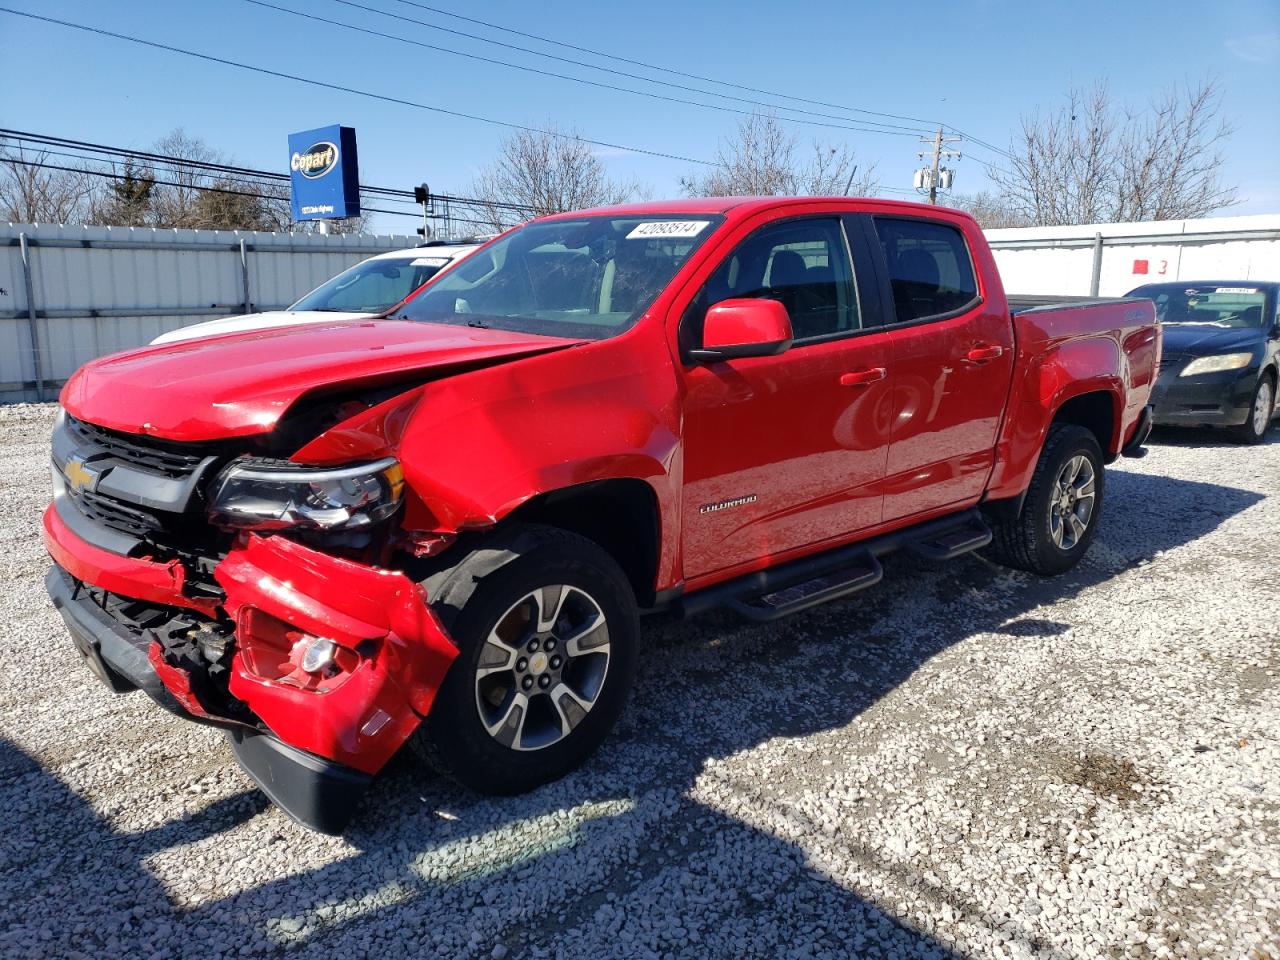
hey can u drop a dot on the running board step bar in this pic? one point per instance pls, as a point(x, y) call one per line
point(953, 543)
point(786, 600)
point(805, 583)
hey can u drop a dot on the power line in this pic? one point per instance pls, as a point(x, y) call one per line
point(647, 66)
point(982, 143)
point(389, 193)
point(564, 76)
point(621, 73)
point(463, 202)
point(994, 166)
point(352, 90)
point(224, 190)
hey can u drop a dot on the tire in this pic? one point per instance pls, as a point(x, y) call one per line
point(1261, 410)
point(1041, 539)
point(479, 732)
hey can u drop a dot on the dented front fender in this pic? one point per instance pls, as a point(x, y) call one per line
point(380, 615)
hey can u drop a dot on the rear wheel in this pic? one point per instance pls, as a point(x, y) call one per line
point(1059, 516)
point(1264, 400)
point(547, 655)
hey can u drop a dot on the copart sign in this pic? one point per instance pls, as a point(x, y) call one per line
point(323, 174)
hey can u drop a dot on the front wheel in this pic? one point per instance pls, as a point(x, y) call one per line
point(1260, 411)
point(547, 656)
point(1059, 516)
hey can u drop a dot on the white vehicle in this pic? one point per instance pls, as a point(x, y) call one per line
point(365, 290)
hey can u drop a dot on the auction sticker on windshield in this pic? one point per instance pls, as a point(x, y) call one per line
point(1235, 290)
point(429, 262)
point(668, 228)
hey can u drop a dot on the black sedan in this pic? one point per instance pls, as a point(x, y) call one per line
point(1221, 361)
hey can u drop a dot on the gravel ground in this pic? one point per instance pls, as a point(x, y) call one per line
point(963, 761)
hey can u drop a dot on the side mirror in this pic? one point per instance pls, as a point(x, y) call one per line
point(744, 328)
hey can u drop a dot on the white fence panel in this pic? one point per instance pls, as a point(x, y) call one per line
point(98, 290)
point(1061, 260)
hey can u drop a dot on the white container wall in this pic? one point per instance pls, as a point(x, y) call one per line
point(98, 290)
point(1060, 261)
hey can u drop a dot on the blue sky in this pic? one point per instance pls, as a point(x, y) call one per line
point(975, 64)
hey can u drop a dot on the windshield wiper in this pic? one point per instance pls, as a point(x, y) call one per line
point(478, 323)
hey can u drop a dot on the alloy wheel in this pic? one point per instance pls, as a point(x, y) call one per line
point(1071, 502)
point(542, 667)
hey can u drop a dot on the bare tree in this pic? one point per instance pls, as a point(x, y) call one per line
point(1094, 160)
point(760, 159)
point(176, 199)
point(546, 172)
point(128, 200)
point(992, 210)
point(1171, 159)
point(235, 204)
point(177, 192)
point(31, 191)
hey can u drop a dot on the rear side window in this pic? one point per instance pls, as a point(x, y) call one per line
point(929, 267)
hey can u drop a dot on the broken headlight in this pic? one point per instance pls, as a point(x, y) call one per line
point(274, 495)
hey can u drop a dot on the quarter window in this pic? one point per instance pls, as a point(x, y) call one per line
point(803, 264)
point(929, 267)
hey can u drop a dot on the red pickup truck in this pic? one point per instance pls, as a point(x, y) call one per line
point(439, 527)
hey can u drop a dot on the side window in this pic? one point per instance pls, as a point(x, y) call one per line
point(804, 264)
point(929, 266)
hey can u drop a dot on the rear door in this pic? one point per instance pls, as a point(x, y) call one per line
point(952, 359)
point(786, 452)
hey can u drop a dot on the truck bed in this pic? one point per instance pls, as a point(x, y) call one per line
point(1022, 302)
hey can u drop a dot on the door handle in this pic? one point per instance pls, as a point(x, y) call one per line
point(861, 378)
point(983, 353)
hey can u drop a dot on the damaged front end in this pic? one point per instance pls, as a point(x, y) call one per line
point(319, 666)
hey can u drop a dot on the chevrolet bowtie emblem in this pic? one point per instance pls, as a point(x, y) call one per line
point(79, 477)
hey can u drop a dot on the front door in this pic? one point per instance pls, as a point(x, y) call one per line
point(785, 452)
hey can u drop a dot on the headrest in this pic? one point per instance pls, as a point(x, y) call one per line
point(916, 266)
point(787, 270)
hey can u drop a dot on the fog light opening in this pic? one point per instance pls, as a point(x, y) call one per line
point(278, 652)
point(319, 654)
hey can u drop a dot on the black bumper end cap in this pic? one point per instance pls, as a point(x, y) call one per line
point(311, 790)
point(1134, 449)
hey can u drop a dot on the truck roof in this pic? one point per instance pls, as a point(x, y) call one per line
point(744, 205)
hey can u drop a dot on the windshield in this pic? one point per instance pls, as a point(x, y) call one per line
point(1213, 306)
point(586, 278)
point(372, 286)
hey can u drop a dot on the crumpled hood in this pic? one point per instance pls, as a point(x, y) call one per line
point(256, 321)
point(1199, 340)
point(242, 384)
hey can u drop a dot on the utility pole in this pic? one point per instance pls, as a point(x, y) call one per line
point(934, 175)
point(852, 173)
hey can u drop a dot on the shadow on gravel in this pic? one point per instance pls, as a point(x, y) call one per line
point(100, 918)
point(1203, 437)
point(621, 859)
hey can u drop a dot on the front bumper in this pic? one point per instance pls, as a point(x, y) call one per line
point(316, 792)
point(1212, 399)
point(312, 752)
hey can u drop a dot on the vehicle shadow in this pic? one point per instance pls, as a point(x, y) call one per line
point(1204, 437)
point(635, 854)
